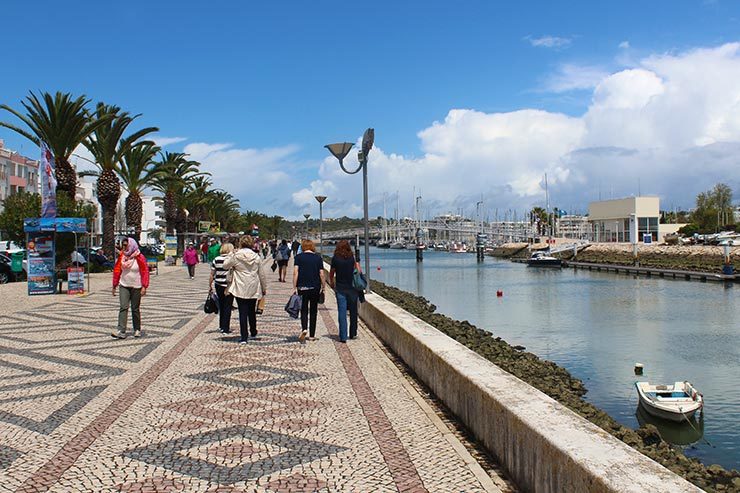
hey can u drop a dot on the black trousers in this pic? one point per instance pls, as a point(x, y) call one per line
point(191, 270)
point(225, 304)
point(247, 316)
point(309, 306)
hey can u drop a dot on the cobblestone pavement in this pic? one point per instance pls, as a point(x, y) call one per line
point(185, 408)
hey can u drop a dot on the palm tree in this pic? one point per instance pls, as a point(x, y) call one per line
point(108, 146)
point(63, 123)
point(174, 173)
point(223, 208)
point(136, 171)
point(194, 198)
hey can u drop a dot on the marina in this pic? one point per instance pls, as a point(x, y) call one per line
point(596, 325)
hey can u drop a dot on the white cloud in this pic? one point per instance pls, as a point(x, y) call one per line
point(260, 178)
point(163, 141)
point(672, 122)
point(624, 45)
point(570, 77)
point(549, 42)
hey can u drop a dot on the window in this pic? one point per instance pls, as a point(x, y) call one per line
point(647, 225)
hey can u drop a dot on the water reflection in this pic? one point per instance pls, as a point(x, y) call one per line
point(684, 433)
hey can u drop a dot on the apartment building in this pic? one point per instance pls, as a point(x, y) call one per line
point(17, 173)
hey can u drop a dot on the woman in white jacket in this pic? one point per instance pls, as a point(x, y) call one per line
point(247, 284)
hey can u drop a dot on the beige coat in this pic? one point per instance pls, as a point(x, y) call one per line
point(247, 278)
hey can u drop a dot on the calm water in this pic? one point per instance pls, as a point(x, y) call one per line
point(597, 325)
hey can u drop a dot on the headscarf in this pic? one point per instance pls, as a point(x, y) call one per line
point(129, 256)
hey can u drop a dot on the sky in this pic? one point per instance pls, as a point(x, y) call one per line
point(470, 101)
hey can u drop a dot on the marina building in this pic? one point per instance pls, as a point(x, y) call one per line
point(618, 220)
point(17, 173)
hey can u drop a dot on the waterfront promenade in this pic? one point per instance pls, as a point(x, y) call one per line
point(186, 408)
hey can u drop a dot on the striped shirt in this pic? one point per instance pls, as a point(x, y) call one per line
point(219, 273)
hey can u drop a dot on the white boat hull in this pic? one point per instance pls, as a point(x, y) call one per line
point(656, 401)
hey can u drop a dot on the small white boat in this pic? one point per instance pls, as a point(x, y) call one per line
point(459, 248)
point(672, 402)
point(398, 245)
point(541, 259)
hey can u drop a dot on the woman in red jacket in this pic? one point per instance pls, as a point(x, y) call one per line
point(132, 274)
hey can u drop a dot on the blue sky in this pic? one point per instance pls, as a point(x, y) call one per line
point(278, 80)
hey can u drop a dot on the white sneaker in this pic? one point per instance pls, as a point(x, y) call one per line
point(302, 336)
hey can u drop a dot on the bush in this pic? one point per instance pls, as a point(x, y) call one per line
point(689, 229)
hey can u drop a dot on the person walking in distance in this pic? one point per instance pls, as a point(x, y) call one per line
point(246, 285)
point(343, 265)
point(214, 250)
point(294, 246)
point(190, 258)
point(204, 251)
point(283, 257)
point(131, 273)
point(219, 279)
point(308, 281)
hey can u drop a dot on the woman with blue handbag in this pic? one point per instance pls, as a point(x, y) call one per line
point(308, 282)
point(342, 280)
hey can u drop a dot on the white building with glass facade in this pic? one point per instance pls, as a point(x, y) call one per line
point(617, 220)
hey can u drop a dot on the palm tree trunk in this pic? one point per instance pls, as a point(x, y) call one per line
point(66, 177)
point(134, 212)
point(109, 189)
point(180, 225)
point(170, 212)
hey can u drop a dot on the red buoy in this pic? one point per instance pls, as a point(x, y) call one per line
point(378, 267)
point(499, 293)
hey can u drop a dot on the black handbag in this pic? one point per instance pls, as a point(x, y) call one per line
point(211, 304)
point(274, 265)
point(322, 298)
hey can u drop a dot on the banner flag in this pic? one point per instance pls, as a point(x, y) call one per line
point(48, 183)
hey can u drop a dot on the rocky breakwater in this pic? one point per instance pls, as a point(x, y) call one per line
point(559, 384)
point(510, 250)
point(698, 258)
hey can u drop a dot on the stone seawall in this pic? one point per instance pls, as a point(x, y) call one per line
point(700, 258)
point(490, 415)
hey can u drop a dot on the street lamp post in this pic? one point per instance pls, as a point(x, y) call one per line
point(340, 151)
point(307, 216)
point(320, 199)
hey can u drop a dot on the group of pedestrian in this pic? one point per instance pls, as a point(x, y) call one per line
point(238, 274)
point(309, 282)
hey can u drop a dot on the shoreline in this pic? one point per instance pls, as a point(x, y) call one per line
point(558, 383)
point(697, 258)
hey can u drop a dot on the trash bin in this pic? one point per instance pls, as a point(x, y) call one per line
point(16, 261)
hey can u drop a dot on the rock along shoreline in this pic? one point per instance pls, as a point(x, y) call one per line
point(559, 384)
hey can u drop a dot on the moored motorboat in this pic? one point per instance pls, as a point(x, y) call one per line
point(541, 259)
point(675, 402)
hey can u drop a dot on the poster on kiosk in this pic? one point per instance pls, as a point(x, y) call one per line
point(40, 255)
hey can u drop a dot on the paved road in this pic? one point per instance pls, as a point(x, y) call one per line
point(185, 408)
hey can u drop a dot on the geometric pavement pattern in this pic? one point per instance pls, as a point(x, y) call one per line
point(185, 408)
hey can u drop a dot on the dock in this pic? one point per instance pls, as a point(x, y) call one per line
point(687, 275)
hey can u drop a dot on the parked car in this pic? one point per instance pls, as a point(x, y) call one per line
point(6, 273)
point(8, 247)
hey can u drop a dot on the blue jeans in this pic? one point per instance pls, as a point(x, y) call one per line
point(347, 301)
